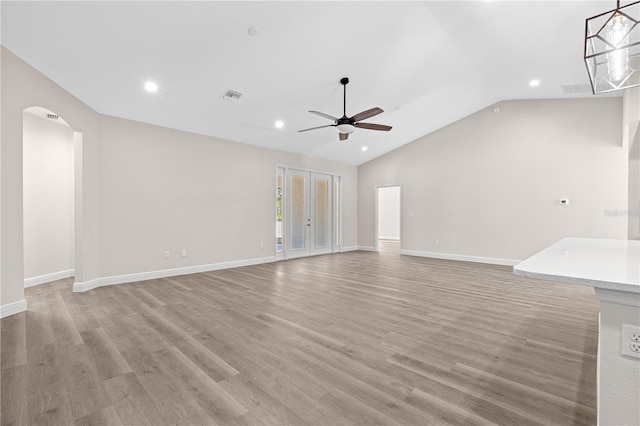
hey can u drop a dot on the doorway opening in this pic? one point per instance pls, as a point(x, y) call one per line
point(50, 166)
point(388, 219)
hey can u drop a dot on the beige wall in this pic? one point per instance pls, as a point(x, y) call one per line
point(488, 186)
point(24, 87)
point(142, 189)
point(48, 197)
point(631, 137)
point(166, 190)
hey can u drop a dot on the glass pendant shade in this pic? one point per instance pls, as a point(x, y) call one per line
point(345, 128)
point(612, 49)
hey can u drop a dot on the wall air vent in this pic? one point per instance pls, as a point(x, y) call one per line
point(232, 95)
point(576, 88)
point(51, 116)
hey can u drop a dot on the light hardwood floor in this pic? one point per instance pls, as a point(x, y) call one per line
point(356, 338)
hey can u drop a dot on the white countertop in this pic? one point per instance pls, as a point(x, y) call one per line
point(599, 263)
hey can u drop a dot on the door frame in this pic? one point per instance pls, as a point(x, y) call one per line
point(376, 246)
point(336, 228)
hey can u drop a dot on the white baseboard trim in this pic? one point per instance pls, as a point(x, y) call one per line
point(366, 248)
point(350, 248)
point(388, 238)
point(164, 273)
point(13, 308)
point(42, 279)
point(461, 257)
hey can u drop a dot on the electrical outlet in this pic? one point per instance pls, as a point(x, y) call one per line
point(437, 243)
point(184, 252)
point(630, 340)
point(166, 254)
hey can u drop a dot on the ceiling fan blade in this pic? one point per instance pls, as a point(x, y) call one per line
point(319, 127)
point(344, 136)
point(322, 114)
point(366, 114)
point(372, 126)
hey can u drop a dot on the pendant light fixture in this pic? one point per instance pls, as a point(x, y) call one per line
point(612, 48)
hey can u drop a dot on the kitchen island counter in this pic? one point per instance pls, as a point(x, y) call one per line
point(612, 268)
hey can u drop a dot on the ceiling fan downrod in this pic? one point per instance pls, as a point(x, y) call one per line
point(344, 81)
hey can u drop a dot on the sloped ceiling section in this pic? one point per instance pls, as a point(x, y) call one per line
point(427, 64)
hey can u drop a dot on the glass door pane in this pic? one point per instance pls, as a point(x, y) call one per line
point(336, 213)
point(321, 213)
point(279, 205)
point(298, 216)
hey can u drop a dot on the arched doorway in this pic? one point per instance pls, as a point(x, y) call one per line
point(49, 147)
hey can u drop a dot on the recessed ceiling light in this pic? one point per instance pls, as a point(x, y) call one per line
point(279, 124)
point(534, 83)
point(364, 148)
point(150, 86)
point(253, 31)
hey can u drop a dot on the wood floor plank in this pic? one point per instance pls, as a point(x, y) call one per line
point(132, 403)
point(304, 330)
point(105, 417)
point(195, 349)
point(46, 387)
point(519, 395)
point(13, 339)
point(444, 411)
point(438, 382)
point(169, 396)
point(110, 362)
point(208, 391)
point(347, 339)
point(14, 395)
point(81, 380)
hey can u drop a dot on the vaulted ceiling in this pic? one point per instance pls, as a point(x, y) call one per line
point(427, 64)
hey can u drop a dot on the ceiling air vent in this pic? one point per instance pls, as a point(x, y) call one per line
point(232, 95)
point(51, 116)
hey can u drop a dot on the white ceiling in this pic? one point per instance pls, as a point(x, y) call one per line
point(427, 64)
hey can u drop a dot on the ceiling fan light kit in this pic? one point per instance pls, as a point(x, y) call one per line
point(612, 48)
point(345, 128)
point(346, 125)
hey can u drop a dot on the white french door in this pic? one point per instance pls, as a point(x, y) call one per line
point(308, 213)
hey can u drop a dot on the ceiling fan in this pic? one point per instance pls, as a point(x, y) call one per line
point(345, 125)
